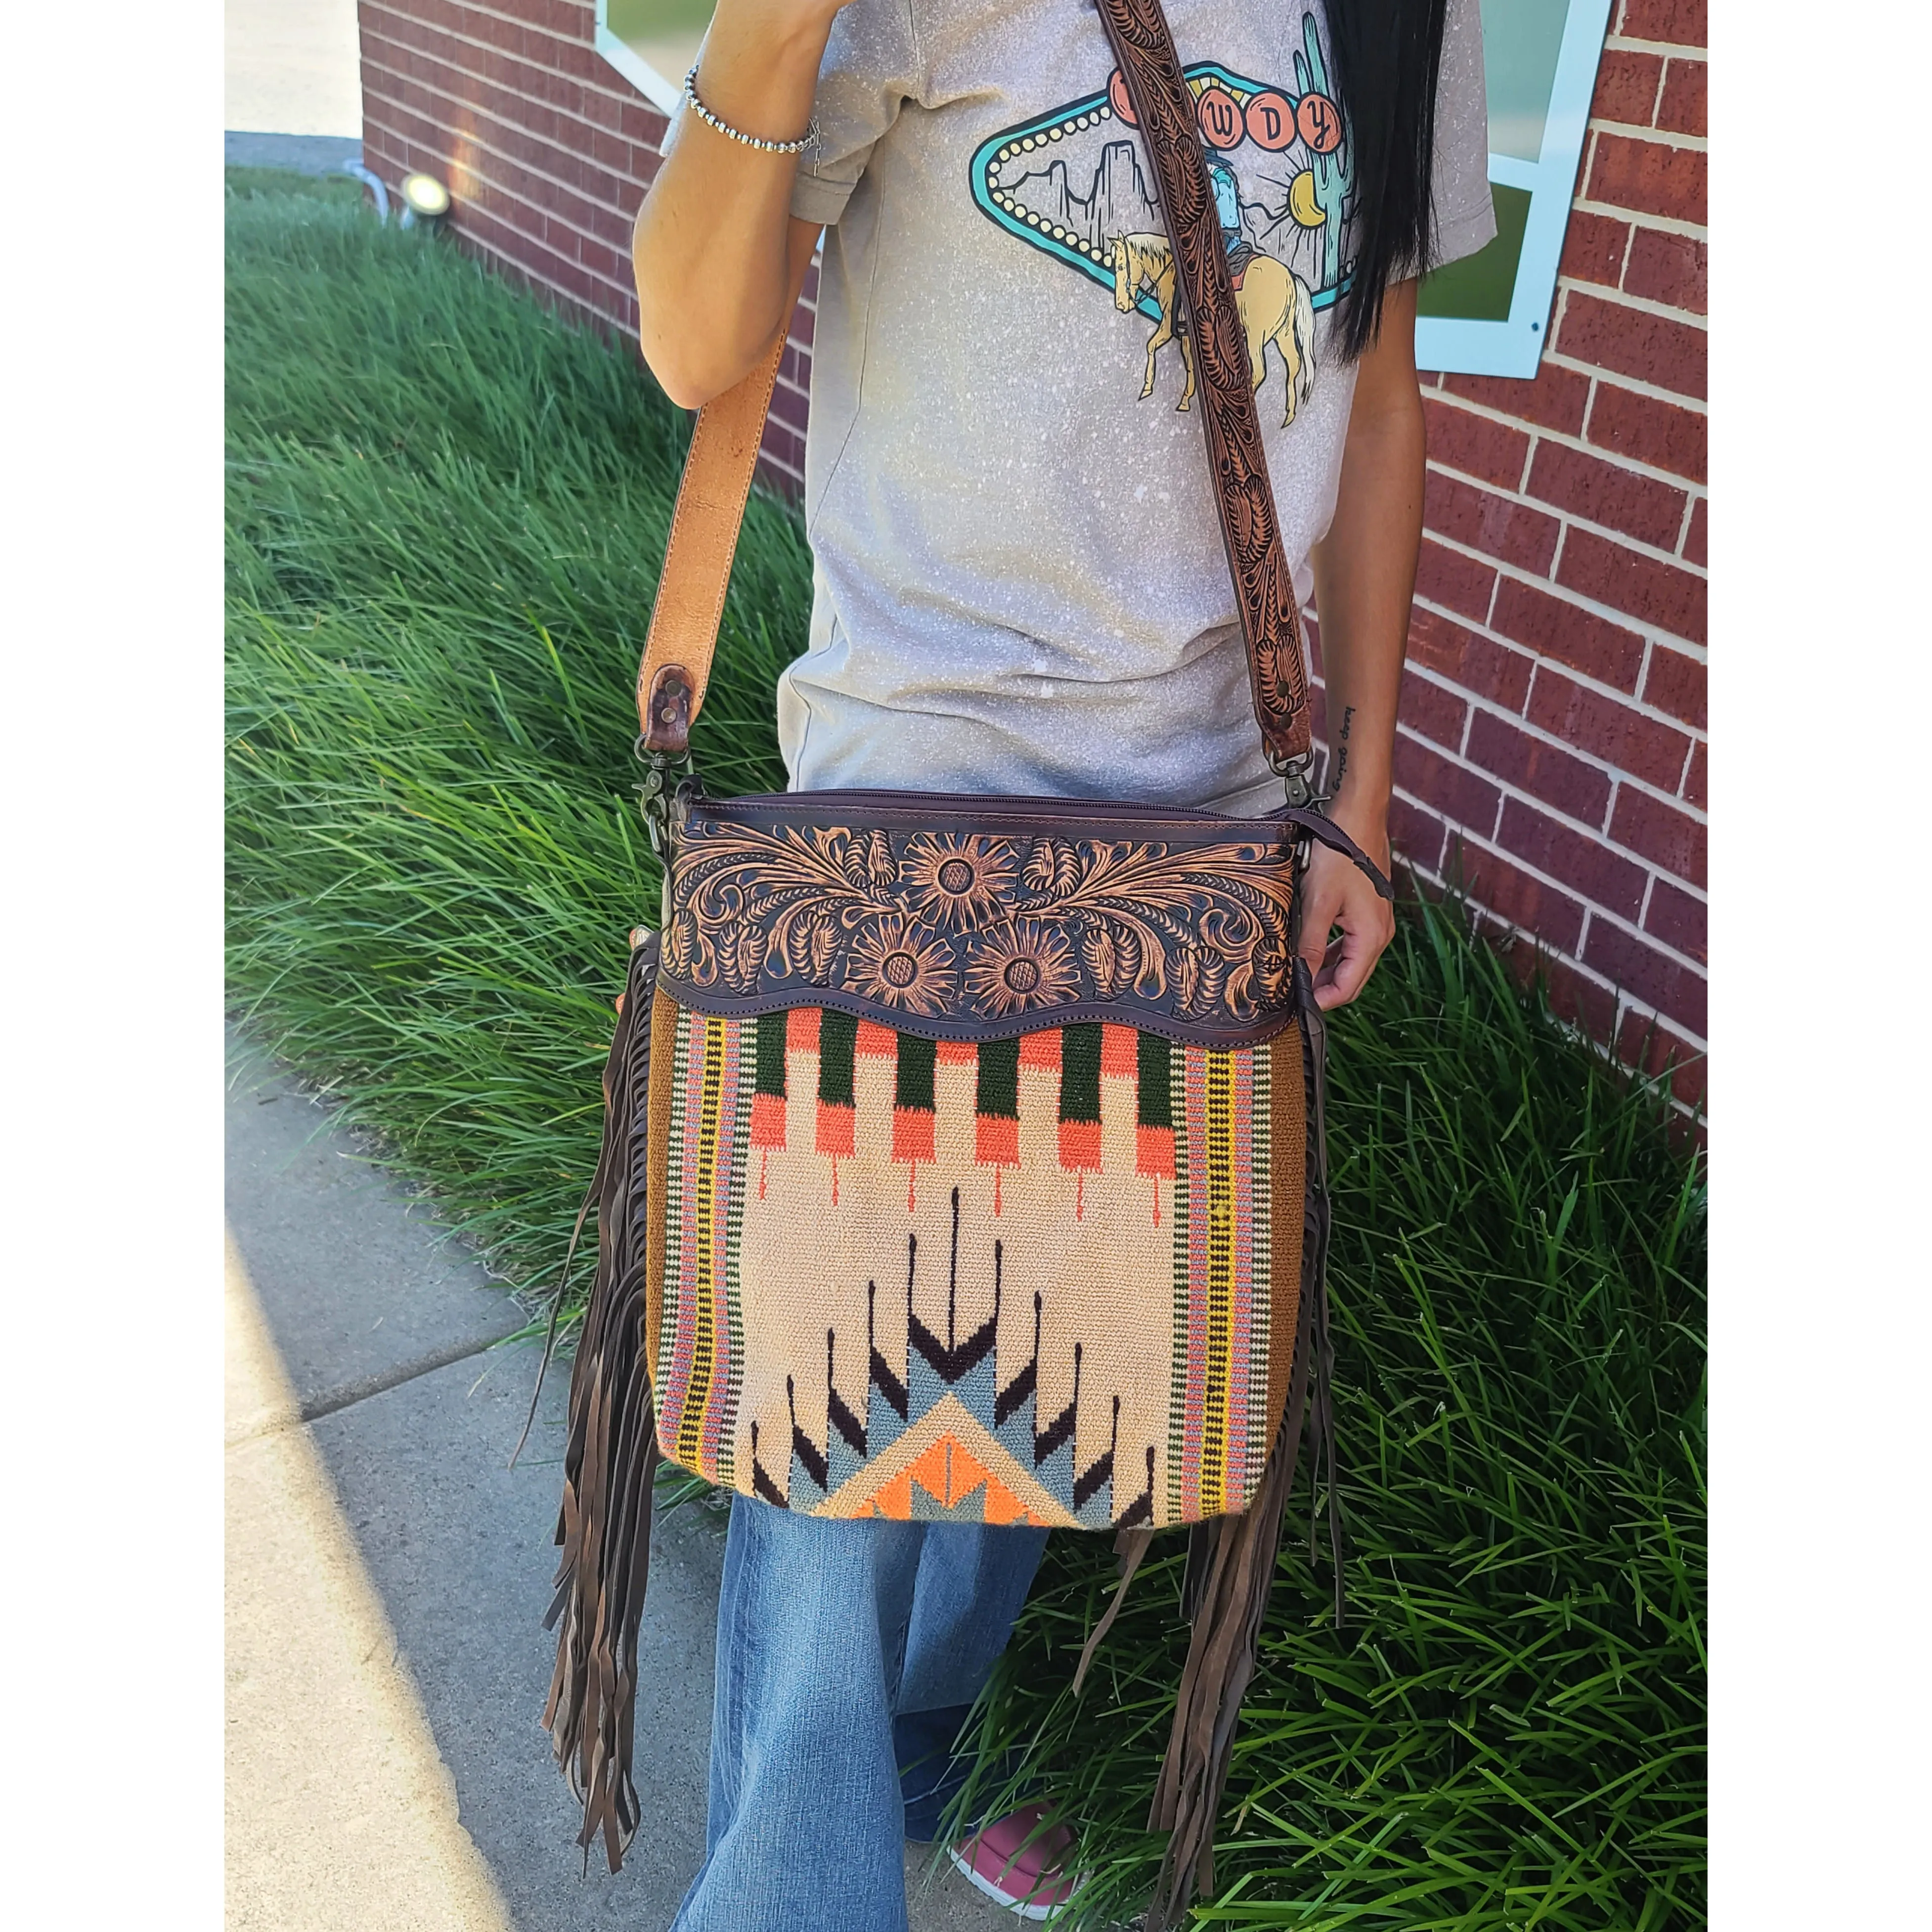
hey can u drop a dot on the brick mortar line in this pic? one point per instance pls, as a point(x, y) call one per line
point(1568, 519)
point(536, 100)
point(1568, 440)
point(556, 256)
point(442, 92)
point(1696, 406)
point(534, 272)
point(1592, 909)
point(1649, 634)
point(1616, 459)
point(1478, 701)
point(509, 19)
point(1598, 834)
point(1626, 1003)
point(476, 142)
point(575, 297)
point(1617, 297)
point(1594, 372)
point(1657, 93)
point(1696, 492)
point(616, 86)
point(1637, 546)
point(1569, 887)
point(1655, 136)
point(1664, 224)
point(1641, 707)
point(1650, 939)
point(511, 194)
point(1691, 503)
point(1633, 544)
point(1621, 43)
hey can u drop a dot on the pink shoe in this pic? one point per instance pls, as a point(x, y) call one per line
point(1029, 1878)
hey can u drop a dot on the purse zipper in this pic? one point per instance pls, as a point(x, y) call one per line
point(864, 804)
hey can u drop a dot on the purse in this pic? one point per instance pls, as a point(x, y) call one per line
point(964, 1156)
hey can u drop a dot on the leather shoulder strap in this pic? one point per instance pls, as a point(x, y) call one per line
point(704, 527)
point(1264, 582)
point(724, 451)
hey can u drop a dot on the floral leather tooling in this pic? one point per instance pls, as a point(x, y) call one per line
point(1001, 925)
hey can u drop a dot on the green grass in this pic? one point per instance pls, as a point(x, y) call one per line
point(445, 509)
point(1509, 1730)
point(248, 184)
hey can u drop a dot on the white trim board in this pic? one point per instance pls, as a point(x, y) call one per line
point(1515, 347)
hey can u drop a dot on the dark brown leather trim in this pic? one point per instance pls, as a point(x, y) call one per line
point(1264, 582)
point(1002, 812)
point(978, 918)
point(666, 711)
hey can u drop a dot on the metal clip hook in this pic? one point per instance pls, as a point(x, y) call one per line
point(654, 796)
point(1294, 775)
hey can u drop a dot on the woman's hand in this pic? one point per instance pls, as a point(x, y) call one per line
point(1336, 893)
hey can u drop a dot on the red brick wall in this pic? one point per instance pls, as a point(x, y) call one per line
point(546, 150)
point(1553, 719)
point(1553, 727)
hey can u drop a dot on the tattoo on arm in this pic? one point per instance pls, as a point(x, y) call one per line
point(1341, 752)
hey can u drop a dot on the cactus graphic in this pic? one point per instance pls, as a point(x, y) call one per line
point(1334, 171)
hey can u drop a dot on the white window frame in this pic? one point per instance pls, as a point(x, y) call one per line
point(664, 91)
point(1515, 347)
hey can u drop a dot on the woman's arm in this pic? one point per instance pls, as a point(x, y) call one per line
point(1364, 579)
point(716, 251)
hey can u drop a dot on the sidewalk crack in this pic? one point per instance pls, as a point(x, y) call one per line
point(347, 1395)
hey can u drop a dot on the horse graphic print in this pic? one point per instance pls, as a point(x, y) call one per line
point(1073, 183)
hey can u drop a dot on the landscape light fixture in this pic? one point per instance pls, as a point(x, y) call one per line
point(425, 200)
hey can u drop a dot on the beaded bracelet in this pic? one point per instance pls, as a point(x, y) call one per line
point(711, 120)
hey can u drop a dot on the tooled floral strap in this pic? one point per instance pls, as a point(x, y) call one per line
point(724, 451)
point(1264, 584)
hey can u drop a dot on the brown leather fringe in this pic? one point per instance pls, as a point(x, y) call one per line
point(1231, 1559)
point(610, 1458)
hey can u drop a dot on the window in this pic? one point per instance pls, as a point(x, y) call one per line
point(1485, 315)
point(652, 42)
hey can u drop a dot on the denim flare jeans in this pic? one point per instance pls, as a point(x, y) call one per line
point(846, 1652)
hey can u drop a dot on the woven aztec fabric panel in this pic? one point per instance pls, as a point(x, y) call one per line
point(1029, 1280)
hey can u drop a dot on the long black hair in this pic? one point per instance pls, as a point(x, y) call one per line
point(1386, 54)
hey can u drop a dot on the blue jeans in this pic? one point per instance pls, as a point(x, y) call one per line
point(848, 1654)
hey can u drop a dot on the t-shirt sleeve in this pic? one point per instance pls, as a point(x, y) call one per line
point(871, 68)
point(1465, 217)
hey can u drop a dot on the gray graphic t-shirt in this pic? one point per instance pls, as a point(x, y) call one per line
point(1019, 581)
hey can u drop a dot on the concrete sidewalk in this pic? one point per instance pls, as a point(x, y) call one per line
point(292, 67)
point(387, 1577)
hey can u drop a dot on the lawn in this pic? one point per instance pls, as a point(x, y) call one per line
point(446, 509)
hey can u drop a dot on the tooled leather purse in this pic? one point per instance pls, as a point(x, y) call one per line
point(963, 1156)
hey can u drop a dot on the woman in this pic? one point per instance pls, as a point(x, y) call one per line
point(1020, 587)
